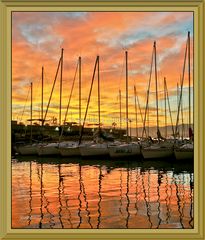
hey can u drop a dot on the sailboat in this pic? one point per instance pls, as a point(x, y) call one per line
point(97, 148)
point(185, 150)
point(125, 149)
point(53, 148)
point(31, 148)
point(161, 149)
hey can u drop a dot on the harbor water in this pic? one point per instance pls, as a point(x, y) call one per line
point(108, 194)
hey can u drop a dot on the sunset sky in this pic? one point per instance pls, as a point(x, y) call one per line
point(37, 39)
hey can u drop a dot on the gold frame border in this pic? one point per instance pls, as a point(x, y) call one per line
point(6, 7)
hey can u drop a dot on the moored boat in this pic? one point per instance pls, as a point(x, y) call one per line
point(157, 151)
point(29, 149)
point(69, 150)
point(48, 149)
point(124, 150)
point(96, 149)
point(184, 152)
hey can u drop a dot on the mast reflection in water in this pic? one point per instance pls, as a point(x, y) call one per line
point(75, 193)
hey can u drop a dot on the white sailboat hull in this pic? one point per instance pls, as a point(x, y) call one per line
point(124, 150)
point(69, 151)
point(158, 153)
point(48, 150)
point(184, 154)
point(27, 150)
point(94, 150)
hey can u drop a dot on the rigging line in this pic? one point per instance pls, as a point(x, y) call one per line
point(189, 77)
point(165, 107)
point(184, 66)
point(140, 111)
point(127, 113)
point(69, 101)
point(182, 115)
point(61, 89)
point(25, 103)
point(59, 63)
point(170, 112)
point(96, 62)
point(98, 76)
point(148, 90)
point(156, 83)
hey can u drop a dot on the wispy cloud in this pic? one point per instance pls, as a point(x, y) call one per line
point(37, 39)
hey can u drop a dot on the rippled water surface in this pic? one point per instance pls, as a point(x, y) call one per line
point(78, 193)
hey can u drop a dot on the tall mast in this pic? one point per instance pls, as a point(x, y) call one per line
point(147, 101)
point(98, 59)
point(178, 96)
point(135, 95)
point(182, 113)
point(61, 80)
point(31, 110)
point(59, 62)
point(155, 67)
point(79, 94)
point(127, 127)
point(120, 109)
point(189, 76)
point(42, 96)
point(165, 107)
point(182, 82)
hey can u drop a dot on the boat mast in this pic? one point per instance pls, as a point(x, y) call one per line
point(127, 127)
point(135, 95)
point(165, 107)
point(61, 80)
point(182, 82)
point(120, 109)
point(59, 62)
point(155, 67)
point(42, 80)
point(147, 101)
point(98, 92)
point(79, 94)
point(189, 76)
point(31, 111)
point(182, 113)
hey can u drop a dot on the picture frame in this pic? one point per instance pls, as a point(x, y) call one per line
point(6, 8)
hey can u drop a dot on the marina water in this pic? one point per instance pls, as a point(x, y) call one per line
point(108, 194)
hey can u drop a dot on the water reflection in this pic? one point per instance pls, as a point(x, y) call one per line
point(76, 193)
